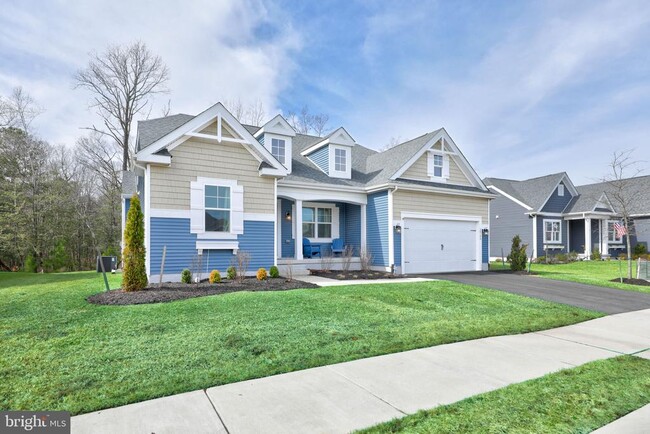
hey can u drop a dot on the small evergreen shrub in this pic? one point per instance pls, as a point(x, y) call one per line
point(640, 249)
point(231, 273)
point(215, 276)
point(274, 272)
point(595, 255)
point(517, 256)
point(540, 259)
point(561, 257)
point(261, 274)
point(186, 276)
point(134, 276)
point(572, 256)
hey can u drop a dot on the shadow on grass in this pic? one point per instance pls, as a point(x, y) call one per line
point(22, 279)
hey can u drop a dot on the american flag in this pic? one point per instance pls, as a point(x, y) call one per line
point(620, 230)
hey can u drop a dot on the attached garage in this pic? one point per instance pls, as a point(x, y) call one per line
point(436, 244)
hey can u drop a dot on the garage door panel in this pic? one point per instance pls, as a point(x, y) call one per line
point(439, 245)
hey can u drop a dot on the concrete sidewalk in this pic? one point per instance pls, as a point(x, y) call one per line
point(325, 281)
point(347, 396)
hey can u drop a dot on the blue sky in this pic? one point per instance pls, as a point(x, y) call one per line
point(524, 88)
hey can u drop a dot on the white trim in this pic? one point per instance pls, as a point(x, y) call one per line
point(431, 189)
point(276, 222)
point(535, 230)
point(442, 134)
point(560, 190)
point(391, 233)
point(316, 193)
point(335, 221)
point(298, 238)
point(504, 194)
point(165, 160)
point(332, 139)
point(123, 218)
point(363, 227)
point(277, 230)
point(568, 184)
point(218, 112)
point(270, 127)
point(217, 245)
point(544, 221)
point(588, 243)
point(147, 217)
point(613, 243)
point(320, 186)
point(428, 216)
point(343, 174)
point(288, 148)
point(259, 217)
point(186, 214)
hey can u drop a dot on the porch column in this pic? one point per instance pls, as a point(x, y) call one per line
point(298, 219)
point(604, 237)
point(363, 227)
point(588, 238)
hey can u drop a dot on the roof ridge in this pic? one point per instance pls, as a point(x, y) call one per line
point(165, 117)
point(408, 141)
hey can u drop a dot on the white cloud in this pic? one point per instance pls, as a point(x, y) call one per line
point(211, 48)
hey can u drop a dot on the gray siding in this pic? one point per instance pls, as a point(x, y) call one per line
point(557, 203)
point(512, 221)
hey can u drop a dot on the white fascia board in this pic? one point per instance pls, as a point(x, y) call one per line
point(504, 194)
point(417, 155)
point(322, 143)
point(217, 111)
point(571, 188)
point(318, 193)
point(270, 127)
point(600, 201)
point(320, 186)
point(486, 195)
point(154, 159)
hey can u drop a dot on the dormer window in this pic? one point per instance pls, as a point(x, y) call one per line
point(340, 160)
point(278, 149)
point(437, 165)
point(560, 190)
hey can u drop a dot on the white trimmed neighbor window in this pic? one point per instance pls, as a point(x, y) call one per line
point(552, 231)
point(316, 222)
point(340, 160)
point(278, 149)
point(217, 208)
point(560, 190)
point(612, 236)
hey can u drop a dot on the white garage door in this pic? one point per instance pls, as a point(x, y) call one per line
point(432, 246)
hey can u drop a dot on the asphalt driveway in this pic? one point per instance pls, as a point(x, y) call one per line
point(598, 298)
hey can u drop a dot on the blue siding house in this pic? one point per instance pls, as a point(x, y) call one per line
point(212, 187)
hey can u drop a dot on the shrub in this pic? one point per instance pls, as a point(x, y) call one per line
point(274, 273)
point(261, 274)
point(215, 276)
point(231, 273)
point(517, 256)
point(561, 257)
point(59, 259)
point(640, 249)
point(572, 256)
point(622, 257)
point(595, 255)
point(242, 259)
point(540, 259)
point(186, 276)
point(134, 276)
point(30, 264)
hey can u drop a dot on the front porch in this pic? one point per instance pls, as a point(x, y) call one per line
point(590, 234)
point(307, 230)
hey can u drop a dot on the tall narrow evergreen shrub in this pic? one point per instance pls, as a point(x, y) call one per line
point(134, 276)
point(517, 256)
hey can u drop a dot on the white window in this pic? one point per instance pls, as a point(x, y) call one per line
point(438, 166)
point(552, 231)
point(560, 190)
point(217, 208)
point(612, 235)
point(340, 160)
point(278, 149)
point(317, 222)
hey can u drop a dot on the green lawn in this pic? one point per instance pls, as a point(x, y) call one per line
point(61, 353)
point(590, 272)
point(576, 400)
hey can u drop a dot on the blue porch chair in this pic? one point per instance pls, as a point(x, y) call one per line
point(310, 250)
point(337, 246)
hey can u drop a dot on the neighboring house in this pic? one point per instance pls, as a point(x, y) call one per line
point(211, 186)
point(553, 216)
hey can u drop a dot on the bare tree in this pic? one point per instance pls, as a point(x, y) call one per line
point(305, 122)
point(624, 193)
point(236, 108)
point(123, 81)
point(18, 110)
point(394, 141)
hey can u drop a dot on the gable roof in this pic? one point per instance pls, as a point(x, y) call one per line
point(532, 192)
point(637, 188)
point(368, 167)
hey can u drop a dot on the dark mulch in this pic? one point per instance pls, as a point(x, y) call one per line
point(354, 275)
point(180, 291)
point(632, 281)
point(518, 273)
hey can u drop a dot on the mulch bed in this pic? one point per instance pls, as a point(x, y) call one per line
point(632, 281)
point(180, 291)
point(354, 275)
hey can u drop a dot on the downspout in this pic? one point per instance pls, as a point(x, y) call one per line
point(391, 233)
